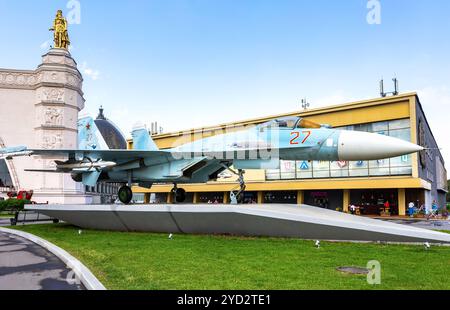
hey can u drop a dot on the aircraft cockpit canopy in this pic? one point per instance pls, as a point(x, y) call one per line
point(291, 123)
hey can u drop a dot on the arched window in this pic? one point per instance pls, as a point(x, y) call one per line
point(5, 177)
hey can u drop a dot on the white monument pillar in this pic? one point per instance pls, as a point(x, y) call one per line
point(39, 109)
point(59, 99)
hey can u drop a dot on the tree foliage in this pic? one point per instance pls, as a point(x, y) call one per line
point(13, 204)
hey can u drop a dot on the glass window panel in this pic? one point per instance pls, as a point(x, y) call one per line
point(272, 174)
point(321, 169)
point(403, 134)
point(339, 165)
point(363, 127)
point(402, 161)
point(399, 124)
point(378, 171)
point(304, 169)
point(358, 168)
point(287, 166)
point(304, 174)
point(380, 126)
point(359, 172)
point(382, 163)
point(379, 167)
point(401, 171)
point(287, 169)
point(288, 175)
point(358, 164)
point(321, 165)
point(341, 173)
point(384, 133)
point(321, 174)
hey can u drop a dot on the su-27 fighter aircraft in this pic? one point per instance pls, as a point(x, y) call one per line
point(200, 161)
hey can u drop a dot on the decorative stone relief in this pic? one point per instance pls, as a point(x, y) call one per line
point(17, 79)
point(53, 117)
point(73, 80)
point(54, 94)
point(52, 141)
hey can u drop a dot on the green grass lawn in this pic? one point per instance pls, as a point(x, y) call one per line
point(5, 216)
point(152, 261)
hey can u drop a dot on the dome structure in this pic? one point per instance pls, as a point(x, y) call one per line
point(111, 134)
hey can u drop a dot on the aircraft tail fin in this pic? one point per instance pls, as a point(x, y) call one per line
point(142, 140)
point(89, 136)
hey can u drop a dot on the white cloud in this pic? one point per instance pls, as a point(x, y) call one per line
point(90, 72)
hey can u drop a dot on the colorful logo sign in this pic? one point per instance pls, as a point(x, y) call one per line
point(304, 165)
point(342, 164)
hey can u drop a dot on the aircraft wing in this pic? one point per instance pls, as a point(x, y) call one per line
point(106, 155)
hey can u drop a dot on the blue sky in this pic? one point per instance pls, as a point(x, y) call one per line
point(192, 63)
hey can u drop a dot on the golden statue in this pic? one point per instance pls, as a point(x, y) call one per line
point(61, 35)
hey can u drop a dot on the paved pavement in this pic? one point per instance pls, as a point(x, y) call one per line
point(5, 222)
point(422, 223)
point(26, 266)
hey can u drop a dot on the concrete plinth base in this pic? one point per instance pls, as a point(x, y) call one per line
point(303, 222)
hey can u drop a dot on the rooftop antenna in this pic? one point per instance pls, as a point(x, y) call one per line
point(382, 93)
point(305, 104)
point(393, 93)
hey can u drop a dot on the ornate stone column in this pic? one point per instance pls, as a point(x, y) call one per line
point(59, 99)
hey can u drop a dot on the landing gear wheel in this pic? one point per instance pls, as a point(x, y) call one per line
point(179, 194)
point(125, 194)
point(240, 197)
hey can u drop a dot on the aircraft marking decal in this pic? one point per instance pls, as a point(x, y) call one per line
point(296, 134)
point(308, 133)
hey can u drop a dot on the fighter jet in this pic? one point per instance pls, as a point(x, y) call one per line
point(199, 160)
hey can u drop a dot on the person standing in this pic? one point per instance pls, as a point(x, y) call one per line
point(411, 208)
point(387, 206)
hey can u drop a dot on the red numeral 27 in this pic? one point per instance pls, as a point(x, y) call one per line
point(296, 135)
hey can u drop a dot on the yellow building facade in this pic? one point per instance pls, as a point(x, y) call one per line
point(332, 185)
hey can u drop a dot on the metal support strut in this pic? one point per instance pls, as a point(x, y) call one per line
point(238, 197)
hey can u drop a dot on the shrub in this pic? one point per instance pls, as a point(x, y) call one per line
point(13, 204)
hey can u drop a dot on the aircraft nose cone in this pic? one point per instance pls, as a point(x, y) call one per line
point(356, 145)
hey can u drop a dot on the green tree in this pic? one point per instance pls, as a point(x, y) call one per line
point(13, 204)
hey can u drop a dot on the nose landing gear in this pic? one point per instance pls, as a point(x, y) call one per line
point(125, 194)
point(178, 194)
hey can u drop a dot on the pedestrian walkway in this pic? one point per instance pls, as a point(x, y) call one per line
point(26, 266)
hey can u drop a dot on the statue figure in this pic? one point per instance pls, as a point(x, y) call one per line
point(61, 35)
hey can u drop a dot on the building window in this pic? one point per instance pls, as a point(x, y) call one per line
point(5, 178)
point(287, 170)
